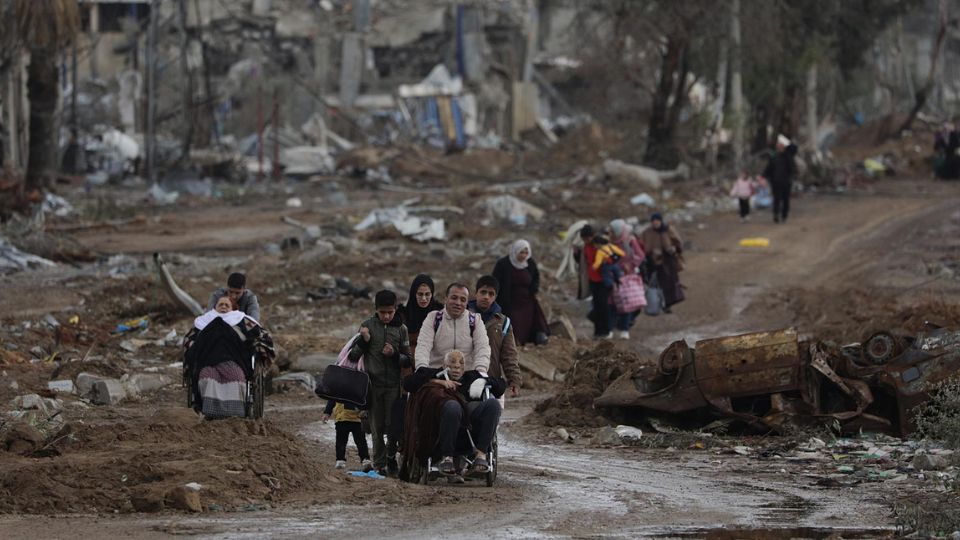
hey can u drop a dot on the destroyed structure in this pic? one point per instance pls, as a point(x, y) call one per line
point(774, 381)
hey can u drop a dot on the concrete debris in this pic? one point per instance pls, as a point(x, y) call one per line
point(929, 462)
point(175, 292)
point(607, 436)
point(56, 205)
point(141, 383)
point(84, 383)
point(417, 228)
point(14, 260)
point(643, 199)
point(307, 161)
point(643, 176)
point(563, 328)
point(160, 196)
point(628, 433)
point(108, 392)
point(22, 438)
point(284, 382)
point(63, 386)
point(510, 208)
point(564, 435)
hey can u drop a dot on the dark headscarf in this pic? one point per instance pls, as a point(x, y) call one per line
point(415, 314)
point(663, 224)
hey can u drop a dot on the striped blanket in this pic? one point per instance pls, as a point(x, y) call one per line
point(223, 390)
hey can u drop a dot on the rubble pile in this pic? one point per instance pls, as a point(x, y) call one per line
point(592, 371)
point(140, 464)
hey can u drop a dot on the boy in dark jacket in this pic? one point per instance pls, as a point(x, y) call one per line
point(384, 343)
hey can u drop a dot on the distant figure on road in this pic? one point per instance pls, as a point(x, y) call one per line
point(239, 294)
point(780, 172)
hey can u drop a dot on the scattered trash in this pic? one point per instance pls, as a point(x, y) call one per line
point(294, 202)
point(564, 435)
point(160, 196)
point(370, 474)
point(643, 199)
point(14, 260)
point(417, 228)
point(755, 242)
point(629, 433)
point(140, 323)
point(510, 208)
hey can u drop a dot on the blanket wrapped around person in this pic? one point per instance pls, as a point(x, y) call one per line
point(222, 352)
point(422, 422)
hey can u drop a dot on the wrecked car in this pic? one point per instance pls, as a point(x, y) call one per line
point(775, 381)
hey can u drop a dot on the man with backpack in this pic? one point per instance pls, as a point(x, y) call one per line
point(453, 328)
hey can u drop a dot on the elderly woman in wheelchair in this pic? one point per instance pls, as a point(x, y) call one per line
point(452, 420)
point(226, 355)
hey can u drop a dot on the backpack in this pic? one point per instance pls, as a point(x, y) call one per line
point(439, 319)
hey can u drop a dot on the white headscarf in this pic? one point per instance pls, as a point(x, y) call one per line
point(232, 318)
point(515, 249)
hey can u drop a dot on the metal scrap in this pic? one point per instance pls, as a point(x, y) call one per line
point(772, 381)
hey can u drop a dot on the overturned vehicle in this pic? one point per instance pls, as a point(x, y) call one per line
point(774, 381)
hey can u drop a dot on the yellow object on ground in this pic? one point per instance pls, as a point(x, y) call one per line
point(755, 242)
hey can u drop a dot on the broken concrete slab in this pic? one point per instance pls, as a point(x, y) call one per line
point(64, 386)
point(563, 328)
point(303, 378)
point(644, 177)
point(108, 392)
point(930, 462)
point(510, 208)
point(140, 383)
point(84, 382)
point(539, 367)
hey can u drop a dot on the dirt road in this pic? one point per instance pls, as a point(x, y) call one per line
point(548, 489)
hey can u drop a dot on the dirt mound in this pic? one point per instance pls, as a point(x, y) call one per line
point(593, 370)
point(853, 314)
point(141, 464)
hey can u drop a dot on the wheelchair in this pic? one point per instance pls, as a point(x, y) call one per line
point(254, 387)
point(427, 472)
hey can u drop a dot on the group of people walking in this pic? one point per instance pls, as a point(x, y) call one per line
point(440, 349)
point(618, 268)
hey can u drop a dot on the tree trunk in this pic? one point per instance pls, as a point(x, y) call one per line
point(713, 144)
point(736, 85)
point(812, 106)
point(924, 92)
point(661, 150)
point(42, 92)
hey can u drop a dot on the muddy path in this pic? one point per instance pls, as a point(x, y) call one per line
point(544, 490)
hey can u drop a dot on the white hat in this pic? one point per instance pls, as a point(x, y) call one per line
point(782, 140)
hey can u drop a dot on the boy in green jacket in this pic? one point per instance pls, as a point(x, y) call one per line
point(384, 344)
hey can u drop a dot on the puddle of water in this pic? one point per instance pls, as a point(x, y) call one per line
point(787, 533)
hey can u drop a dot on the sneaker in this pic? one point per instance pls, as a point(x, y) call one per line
point(623, 334)
point(392, 468)
point(607, 336)
point(341, 464)
point(366, 465)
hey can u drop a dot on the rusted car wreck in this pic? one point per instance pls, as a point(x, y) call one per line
point(774, 381)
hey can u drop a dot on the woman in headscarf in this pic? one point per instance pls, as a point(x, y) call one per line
point(665, 256)
point(621, 234)
point(420, 302)
point(519, 283)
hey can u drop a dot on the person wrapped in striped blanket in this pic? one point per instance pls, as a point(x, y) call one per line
point(220, 356)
